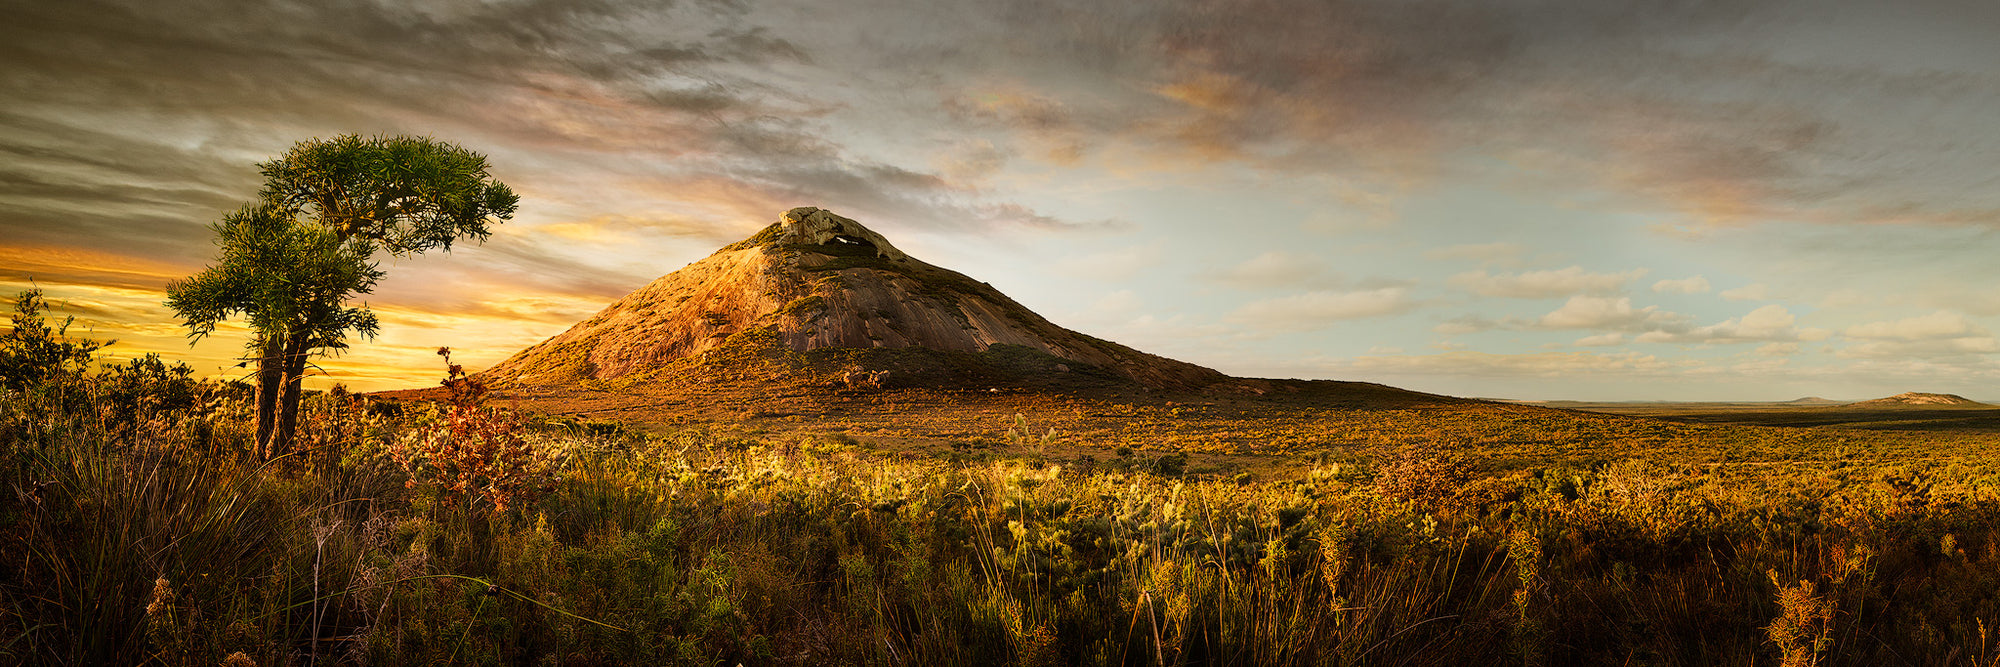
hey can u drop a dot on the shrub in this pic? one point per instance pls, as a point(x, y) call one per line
point(1427, 473)
point(34, 353)
point(475, 452)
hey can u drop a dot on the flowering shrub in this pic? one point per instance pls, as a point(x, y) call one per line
point(473, 451)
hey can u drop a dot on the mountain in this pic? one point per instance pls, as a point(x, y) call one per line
point(1920, 399)
point(817, 297)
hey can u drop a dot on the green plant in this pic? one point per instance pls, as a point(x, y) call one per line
point(1025, 440)
point(35, 354)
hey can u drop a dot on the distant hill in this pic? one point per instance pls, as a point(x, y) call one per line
point(1916, 398)
point(1814, 400)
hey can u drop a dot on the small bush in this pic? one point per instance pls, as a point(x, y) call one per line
point(1426, 473)
point(475, 453)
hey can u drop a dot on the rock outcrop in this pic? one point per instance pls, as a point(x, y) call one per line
point(817, 282)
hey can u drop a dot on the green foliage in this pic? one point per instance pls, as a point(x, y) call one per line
point(405, 194)
point(149, 386)
point(285, 277)
point(33, 353)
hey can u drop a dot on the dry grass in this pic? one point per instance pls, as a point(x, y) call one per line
point(1426, 534)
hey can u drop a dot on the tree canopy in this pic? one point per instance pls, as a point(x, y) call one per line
point(409, 194)
point(283, 276)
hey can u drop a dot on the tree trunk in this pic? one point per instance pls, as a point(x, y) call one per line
point(288, 404)
point(270, 383)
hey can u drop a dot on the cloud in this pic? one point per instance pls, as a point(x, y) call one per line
point(1939, 325)
point(1466, 324)
point(1541, 364)
point(971, 160)
point(83, 266)
point(1498, 252)
point(1114, 265)
point(1601, 340)
point(1544, 284)
point(1939, 334)
point(1725, 112)
point(1750, 292)
point(1768, 323)
point(1694, 285)
point(1320, 309)
point(1608, 313)
point(1923, 349)
point(1778, 349)
point(1277, 269)
point(1615, 318)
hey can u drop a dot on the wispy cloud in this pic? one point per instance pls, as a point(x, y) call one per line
point(1939, 334)
point(1939, 325)
point(1545, 364)
point(1114, 265)
point(1693, 285)
point(1635, 99)
point(1750, 292)
point(1608, 313)
point(1498, 252)
point(1278, 269)
point(1319, 309)
point(1544, 284)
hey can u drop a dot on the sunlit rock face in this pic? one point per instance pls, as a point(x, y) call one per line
point(814, 280)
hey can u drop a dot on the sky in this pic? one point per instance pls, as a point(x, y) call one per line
point(1534, 199)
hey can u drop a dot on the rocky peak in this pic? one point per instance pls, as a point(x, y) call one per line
point(811, 226)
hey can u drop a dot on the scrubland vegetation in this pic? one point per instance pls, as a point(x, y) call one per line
point(138, 527)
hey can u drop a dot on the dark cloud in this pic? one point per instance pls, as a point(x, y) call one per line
point(1737, 111)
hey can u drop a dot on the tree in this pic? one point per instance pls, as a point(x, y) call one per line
point(290, 280)
point(33, 353)
point(291, 261)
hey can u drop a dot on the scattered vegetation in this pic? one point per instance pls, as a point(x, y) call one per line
point(805, 307)
point(767, 236)
point(147, 532)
